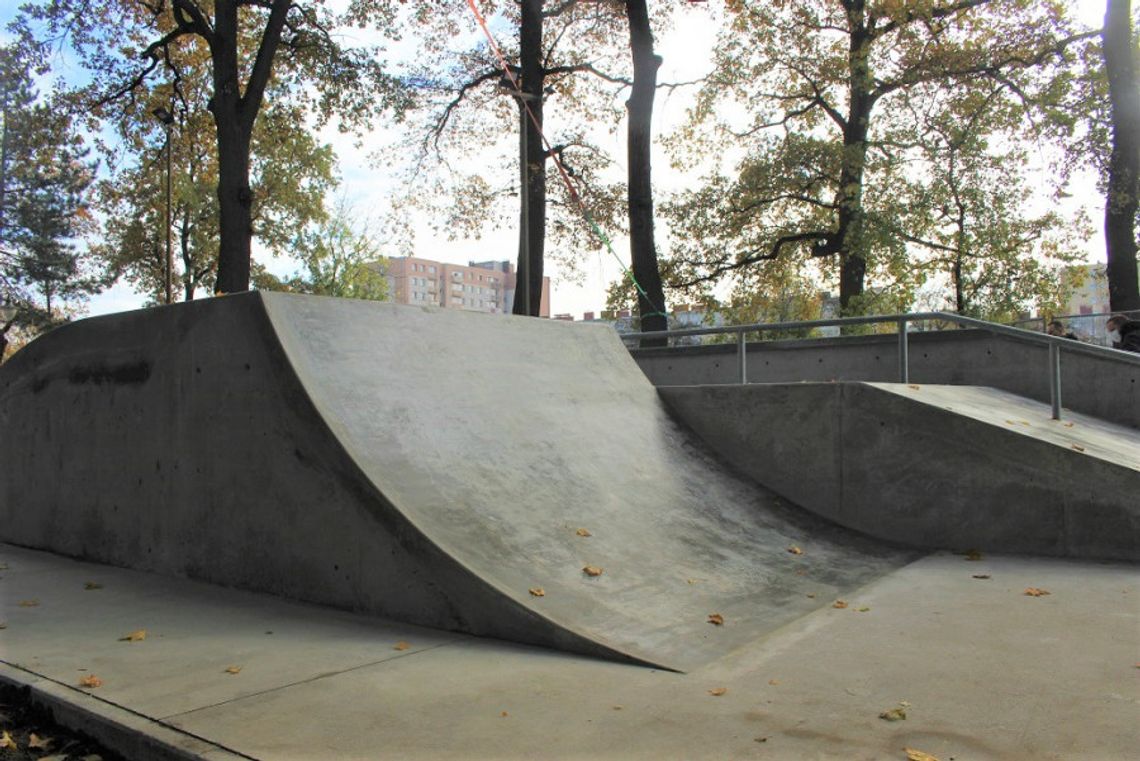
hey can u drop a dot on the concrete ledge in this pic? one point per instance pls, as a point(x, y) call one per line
point(913, 472)
point(129, 734)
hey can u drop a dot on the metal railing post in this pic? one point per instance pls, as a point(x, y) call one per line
point(1055, 379)
point(742, 356)
point(904, 354)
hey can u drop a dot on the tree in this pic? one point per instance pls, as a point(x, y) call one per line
point(643, 249)
point(341, 258)
point(44, 178)
point(821, 83)
point(124, 43)
point(1124, 163)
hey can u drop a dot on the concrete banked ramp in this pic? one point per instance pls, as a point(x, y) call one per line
point(431, 466)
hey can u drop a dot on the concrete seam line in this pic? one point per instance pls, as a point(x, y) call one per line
point(316, 678)
point(113, 725)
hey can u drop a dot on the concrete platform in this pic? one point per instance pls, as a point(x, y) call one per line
point(983, 672)
point(431, 466)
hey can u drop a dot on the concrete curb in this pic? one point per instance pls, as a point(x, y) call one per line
point(129, 734)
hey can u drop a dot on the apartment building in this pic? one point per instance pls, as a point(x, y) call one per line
point(479, 286)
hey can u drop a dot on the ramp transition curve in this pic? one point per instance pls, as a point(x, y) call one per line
point(427, 465)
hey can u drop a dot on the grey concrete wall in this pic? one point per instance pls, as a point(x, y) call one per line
point(913, 473)
point(1102, 387)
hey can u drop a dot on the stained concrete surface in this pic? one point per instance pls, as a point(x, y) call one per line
point(986, 672)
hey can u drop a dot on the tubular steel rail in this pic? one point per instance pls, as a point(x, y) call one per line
point(1056, 344)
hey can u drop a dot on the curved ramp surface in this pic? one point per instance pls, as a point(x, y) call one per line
point(428, 465)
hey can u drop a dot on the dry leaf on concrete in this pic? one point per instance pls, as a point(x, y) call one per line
point(92, 585)
point(716, 619)
point(37, 742)
point(912, 385)
point(716, 692)
point(980, 576)
point(504, 714)
point(233, 669)
point(894, 714)
point(401, 645)
point(584, 532)
point(537, 592)
point(795, 550)
point(618, 708)
point(1035, 592)
point(91, 681)
point(864, 609)
point(6, 741)
point(592, 570)
point(1077, 447)
point(918, 755)
point(841, 604)
point(136, 636)
point(773, 682)
point(29, 603)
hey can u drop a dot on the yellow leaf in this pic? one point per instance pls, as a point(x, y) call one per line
point(91, 681)
point(795, 550)
point(584, 532)
point(135, 636)
point(895, 714)
point(918, 755)
point(716, 692)
point(841, 604)
point(1035, 592)
point(6, 741)
point(29, 603)
point(1077, 447)
point(773, 682)
point(35, 741)
point(592, 570)
point(401, 645)
point(692, 581)
point(233, 669)
point(1010, 422)
point(537, 591)
point(716, 619)
point(92, 585)
point(862, 610)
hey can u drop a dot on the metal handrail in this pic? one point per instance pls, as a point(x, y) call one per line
point(1056, 344)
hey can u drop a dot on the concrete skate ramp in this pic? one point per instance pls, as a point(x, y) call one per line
point(431, 466)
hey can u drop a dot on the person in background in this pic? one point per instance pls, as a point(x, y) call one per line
point(1124, 333)
point(1057, 328)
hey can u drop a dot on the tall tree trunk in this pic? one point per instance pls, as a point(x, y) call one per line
point(1124, 164)
point(643, 251)
point(849, 236)
point(532, 214)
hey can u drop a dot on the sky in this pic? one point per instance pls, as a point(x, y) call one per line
point(686, 52)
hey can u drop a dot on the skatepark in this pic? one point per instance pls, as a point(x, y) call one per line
point(418, 533)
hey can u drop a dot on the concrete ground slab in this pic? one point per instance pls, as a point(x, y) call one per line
point(982, 670)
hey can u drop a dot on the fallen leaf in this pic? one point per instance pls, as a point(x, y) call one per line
point(6, 741)
point(1077, 447)
point(1010, 422)
point(692, 581)
point(3, 566)
point(592, 570)
point(233, 669)
point(1036, 592)
point(537, 592)
point(618, 708)
point(811, 595)
point(795, 550)
point(584, 532)
point(504, 714)
point(895, 714)
point(716, 692)
point(1025, 422)
point(1068, 425)
point(773, 682)
point(841, 604)
point(401, 645)
point(864, 609)
point(29, 603)
point(35, 741)
point(981, 576)
point(760, 739)
point(716, 619)
point(912, 385)
point(918, 755)
point(92, 585)
point(3, 625)
point(973, 555)
point(91, 681)
point(136, 636)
